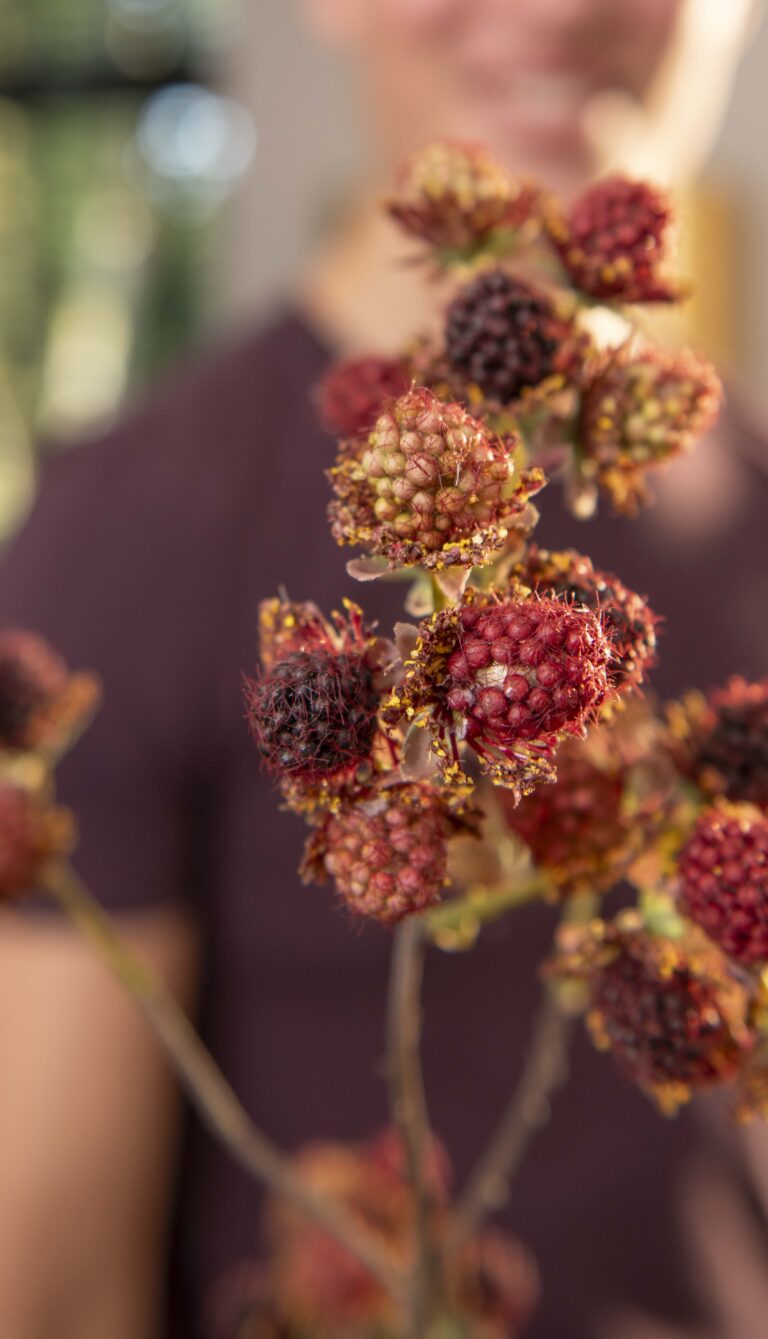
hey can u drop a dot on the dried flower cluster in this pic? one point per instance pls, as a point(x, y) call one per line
point(640, 409)
point(701, 873)
point(612, 242)
point(668, 1010)
point(508, 677)
point(43, 709)
point(529, 665)
point(430, 486)
point(458, 199)
point(519, 353)
point(311, 1288)
point(388, 853)
point(721, 741)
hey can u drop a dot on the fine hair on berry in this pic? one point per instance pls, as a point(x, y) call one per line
point(313, 714)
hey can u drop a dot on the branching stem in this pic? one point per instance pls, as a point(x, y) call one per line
point(528, 1109)
point(208, 1089)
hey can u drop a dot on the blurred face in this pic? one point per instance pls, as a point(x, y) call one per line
point(519, 75)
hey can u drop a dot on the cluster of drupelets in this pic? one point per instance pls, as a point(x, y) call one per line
point(498, 746)
point(525, 667)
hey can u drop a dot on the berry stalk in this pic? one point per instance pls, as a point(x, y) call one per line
point(409, 1107)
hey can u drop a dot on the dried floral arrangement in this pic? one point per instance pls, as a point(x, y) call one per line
point(496, 751)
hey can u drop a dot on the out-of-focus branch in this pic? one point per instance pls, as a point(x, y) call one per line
point(216, 1102)
point(529, 1107)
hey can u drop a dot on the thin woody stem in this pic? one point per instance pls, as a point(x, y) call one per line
point(529, 1107)
point(408, 1103)
point(208, 1089)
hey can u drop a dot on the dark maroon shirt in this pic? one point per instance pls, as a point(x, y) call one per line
point(145, 559)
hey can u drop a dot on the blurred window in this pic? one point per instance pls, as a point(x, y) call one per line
point(115, 155)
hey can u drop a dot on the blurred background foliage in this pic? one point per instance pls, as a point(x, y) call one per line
point(115, 157)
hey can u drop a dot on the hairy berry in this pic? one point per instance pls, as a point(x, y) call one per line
point(575, 827)
point(313, 714)
point(627, 621)
point(723, 872)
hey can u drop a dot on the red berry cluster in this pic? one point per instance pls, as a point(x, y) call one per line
point(721, 741)
point(507, 677)
point(504, 336)
point(354, 391)
point(612, 241)
point(627, 621)
point(31, 834)
point(664, 1022)
point(525, 669)
point(575, 828)
point(318, 1289)
point(723, 872)
point(32, 676)
point(430, 485)
point(388, 852)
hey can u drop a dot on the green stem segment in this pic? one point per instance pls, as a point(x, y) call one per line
point(456, 924)
point(218, 1105)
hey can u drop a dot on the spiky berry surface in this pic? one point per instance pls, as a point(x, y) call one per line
point(723, 872)
point(32, 675)
point(453, 194)
point(354, 391)
point(502, 335)
point(387, 854)
point(575, 826)
point(313, 714)
point(641, 409)
point(663, 1021)
point(612, 241)
point(628, 622)
point(522, 670)
point(727, 751)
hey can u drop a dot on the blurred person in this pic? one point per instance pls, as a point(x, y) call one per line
point(145, 559)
